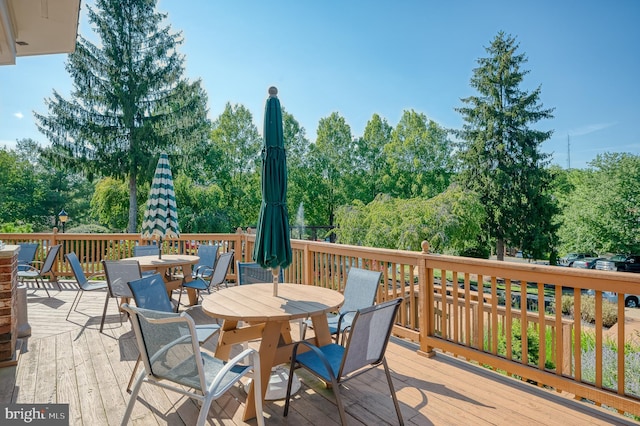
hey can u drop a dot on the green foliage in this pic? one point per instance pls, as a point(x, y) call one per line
point(88, 229)
point(129, 102)
point(232, 163)
point(299, 188)
point(110, 203)
point(332, 162)
point(600, 206)
point(418, 158)
point(201, 209)
point(450, 222)
point(16, 228)
point(588, 309)
point(500, 154)
point(533, 344)
point(372, 157)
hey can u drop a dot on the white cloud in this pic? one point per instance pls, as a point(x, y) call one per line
point(19, 115)
point(591, 128)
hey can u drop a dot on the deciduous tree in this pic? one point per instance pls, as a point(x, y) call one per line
point(332, 163)
point(418, 157)
point(233, 161)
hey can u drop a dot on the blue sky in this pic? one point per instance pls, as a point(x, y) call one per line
point(363, 57)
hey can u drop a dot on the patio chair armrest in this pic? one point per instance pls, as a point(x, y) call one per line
point(202, 269)
point(342, 315)
point(96, 274)
point(255, 363)
point(26, 267)
point(317, 352)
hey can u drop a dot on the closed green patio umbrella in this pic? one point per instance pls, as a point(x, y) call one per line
point(161, 214)
point(273, 245)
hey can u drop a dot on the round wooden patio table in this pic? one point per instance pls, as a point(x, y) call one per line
point(162, 265)
point(268, 317)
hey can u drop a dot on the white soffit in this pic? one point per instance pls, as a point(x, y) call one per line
point(37, 27)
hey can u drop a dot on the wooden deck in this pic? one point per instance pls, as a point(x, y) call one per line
point(71, 362)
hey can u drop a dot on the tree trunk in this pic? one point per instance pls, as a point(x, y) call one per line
point(133, 205)
point(500, 248)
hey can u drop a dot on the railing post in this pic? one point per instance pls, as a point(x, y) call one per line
point(425, 302)
point(307, 265)
point(52, 242)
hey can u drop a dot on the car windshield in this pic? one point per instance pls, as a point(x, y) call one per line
point(618, 258)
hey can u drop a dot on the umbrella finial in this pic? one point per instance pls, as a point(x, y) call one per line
point(273, 91)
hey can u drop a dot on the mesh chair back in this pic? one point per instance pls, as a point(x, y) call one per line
point(76, 267)
point(252, 273)
point(360, 289)
point(207, 255)
point(168, 346)
point(27, 253)
point(369, 336)
point(222, 266)
point(119, 273)
point(150, 292)
point(51, 257)
point(151, 250)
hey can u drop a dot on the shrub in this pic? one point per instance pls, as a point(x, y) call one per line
point(588, 310)
point(533, 345)
point(89, 229)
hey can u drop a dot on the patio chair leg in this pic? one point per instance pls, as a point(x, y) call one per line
point(336, 392)
point(133, 374)
point(104, 312)
point(75, 302)
point(43, 286)
point(393, 391)
point(179, 298)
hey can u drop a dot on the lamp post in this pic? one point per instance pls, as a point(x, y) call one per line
point(63, 217)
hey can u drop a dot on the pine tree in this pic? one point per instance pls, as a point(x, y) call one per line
point(500, 154)
point(129, 100)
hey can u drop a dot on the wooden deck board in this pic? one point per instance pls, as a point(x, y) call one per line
point(72, 362)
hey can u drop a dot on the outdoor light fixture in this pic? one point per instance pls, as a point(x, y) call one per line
point(63, 217)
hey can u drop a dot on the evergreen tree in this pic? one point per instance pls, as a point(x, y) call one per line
point(129, 100)
point(500, 154)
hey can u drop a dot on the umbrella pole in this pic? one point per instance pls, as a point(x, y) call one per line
point(160, 249)
point(275, 271)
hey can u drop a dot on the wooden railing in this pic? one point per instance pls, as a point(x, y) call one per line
point(471, 308)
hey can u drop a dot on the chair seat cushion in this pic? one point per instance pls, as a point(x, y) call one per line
point(186, 374)
point(333, 354)
point(205, 331)
point(196, 284)
point(94, 285)
point(29, 274)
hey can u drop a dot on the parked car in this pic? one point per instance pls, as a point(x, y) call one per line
point(630, 300)
point(620, 262)
point(587, 262)
point(572, 257)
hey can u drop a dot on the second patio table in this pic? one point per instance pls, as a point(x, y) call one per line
point(152, 263)
point(269, 318)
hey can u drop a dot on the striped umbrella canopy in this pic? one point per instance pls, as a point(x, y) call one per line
point(161, 214)
point(273, 246)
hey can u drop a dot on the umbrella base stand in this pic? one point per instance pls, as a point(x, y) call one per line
point(277, 388)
